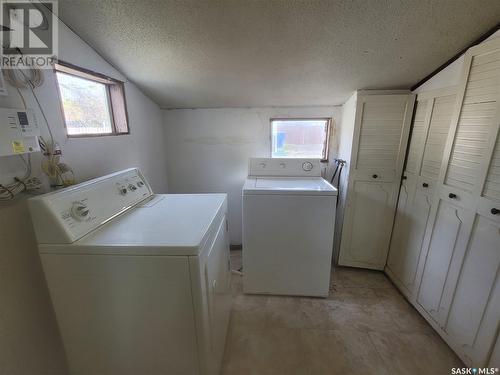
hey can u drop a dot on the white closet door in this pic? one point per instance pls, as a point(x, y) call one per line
point(495, 355)
point(463, 240)
point(409, 227)
point(431, 124)
point(473, 320)
point(448, 237)
point(399, 260)
point(380, 140)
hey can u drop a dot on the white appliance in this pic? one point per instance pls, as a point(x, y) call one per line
point(140, 283)
point(288, 228)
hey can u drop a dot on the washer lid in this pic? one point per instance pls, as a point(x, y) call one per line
point(289, 185)
point(169, 224)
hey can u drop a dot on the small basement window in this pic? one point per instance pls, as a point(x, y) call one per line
point(300, 138)
point(92, 104)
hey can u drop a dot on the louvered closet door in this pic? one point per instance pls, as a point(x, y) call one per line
point(431, 124)
point(399, 260)
point(474, 311)
point(464, 236)
point(380, 140)
point(495, 355)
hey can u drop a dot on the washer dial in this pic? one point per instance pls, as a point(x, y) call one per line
point(80, 211)
point(307, 166)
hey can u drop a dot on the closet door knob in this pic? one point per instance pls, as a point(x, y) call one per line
point(495, 211)
point(452, 196)
point(404, 177)
point(375, 176)
point(425, 184)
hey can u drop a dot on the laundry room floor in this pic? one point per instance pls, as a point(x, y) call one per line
point(364, 327)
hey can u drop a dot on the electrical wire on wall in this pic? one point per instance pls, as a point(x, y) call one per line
point(60, 174)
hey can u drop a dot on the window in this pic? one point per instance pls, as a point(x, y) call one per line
point(92, 104)
point(300, 138)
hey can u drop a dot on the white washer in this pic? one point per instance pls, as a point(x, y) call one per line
point(140, 283)
point(288, 228)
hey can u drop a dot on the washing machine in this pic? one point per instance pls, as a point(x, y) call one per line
point(139, 282)
point(288, 228)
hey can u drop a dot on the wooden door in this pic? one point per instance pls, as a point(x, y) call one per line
point(431, 124)
point(474, 312)
point(473, 320)
point(495, 354)
point(380, 139)
point(448, 237)
point(469, 187)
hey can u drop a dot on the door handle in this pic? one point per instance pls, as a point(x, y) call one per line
point(375, 176)
point(495, 211)
point(425, 185)
point(404, 178)
point(452, 195)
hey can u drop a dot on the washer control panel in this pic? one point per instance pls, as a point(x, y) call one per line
point(65, 216)
point(284, 167)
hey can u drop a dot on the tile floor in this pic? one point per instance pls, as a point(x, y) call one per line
point(364, 327)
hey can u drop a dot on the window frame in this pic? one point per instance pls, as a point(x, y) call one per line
point(83, 73)
point(326, 143)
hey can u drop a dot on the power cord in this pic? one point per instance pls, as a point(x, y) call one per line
point(8, 192)
point(339, 164)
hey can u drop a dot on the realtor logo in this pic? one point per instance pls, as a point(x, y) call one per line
point(29, 33)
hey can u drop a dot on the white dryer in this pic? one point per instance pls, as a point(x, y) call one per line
point(139, 282)
point(288, 228)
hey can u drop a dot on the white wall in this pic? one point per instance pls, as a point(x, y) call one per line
point(29, 340)
point(208, 149)
point(449, 76)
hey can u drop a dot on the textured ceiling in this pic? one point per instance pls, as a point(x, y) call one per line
point(234, 53)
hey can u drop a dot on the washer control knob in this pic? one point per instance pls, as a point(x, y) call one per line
point(132, 187)
point(307, 166)
point(262, 165)
point(122, 190)
point(80, 211)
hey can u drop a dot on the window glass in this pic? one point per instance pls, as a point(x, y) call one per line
point(85, 104)
point(92, 103)
point(299, 138)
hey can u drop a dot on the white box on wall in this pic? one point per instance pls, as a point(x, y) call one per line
point(19, 132)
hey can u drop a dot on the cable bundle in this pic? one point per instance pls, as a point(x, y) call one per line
point(60, 174)
point(25, 183)
point(24, 78)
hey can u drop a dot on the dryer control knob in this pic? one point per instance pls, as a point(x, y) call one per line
point(307, 166)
